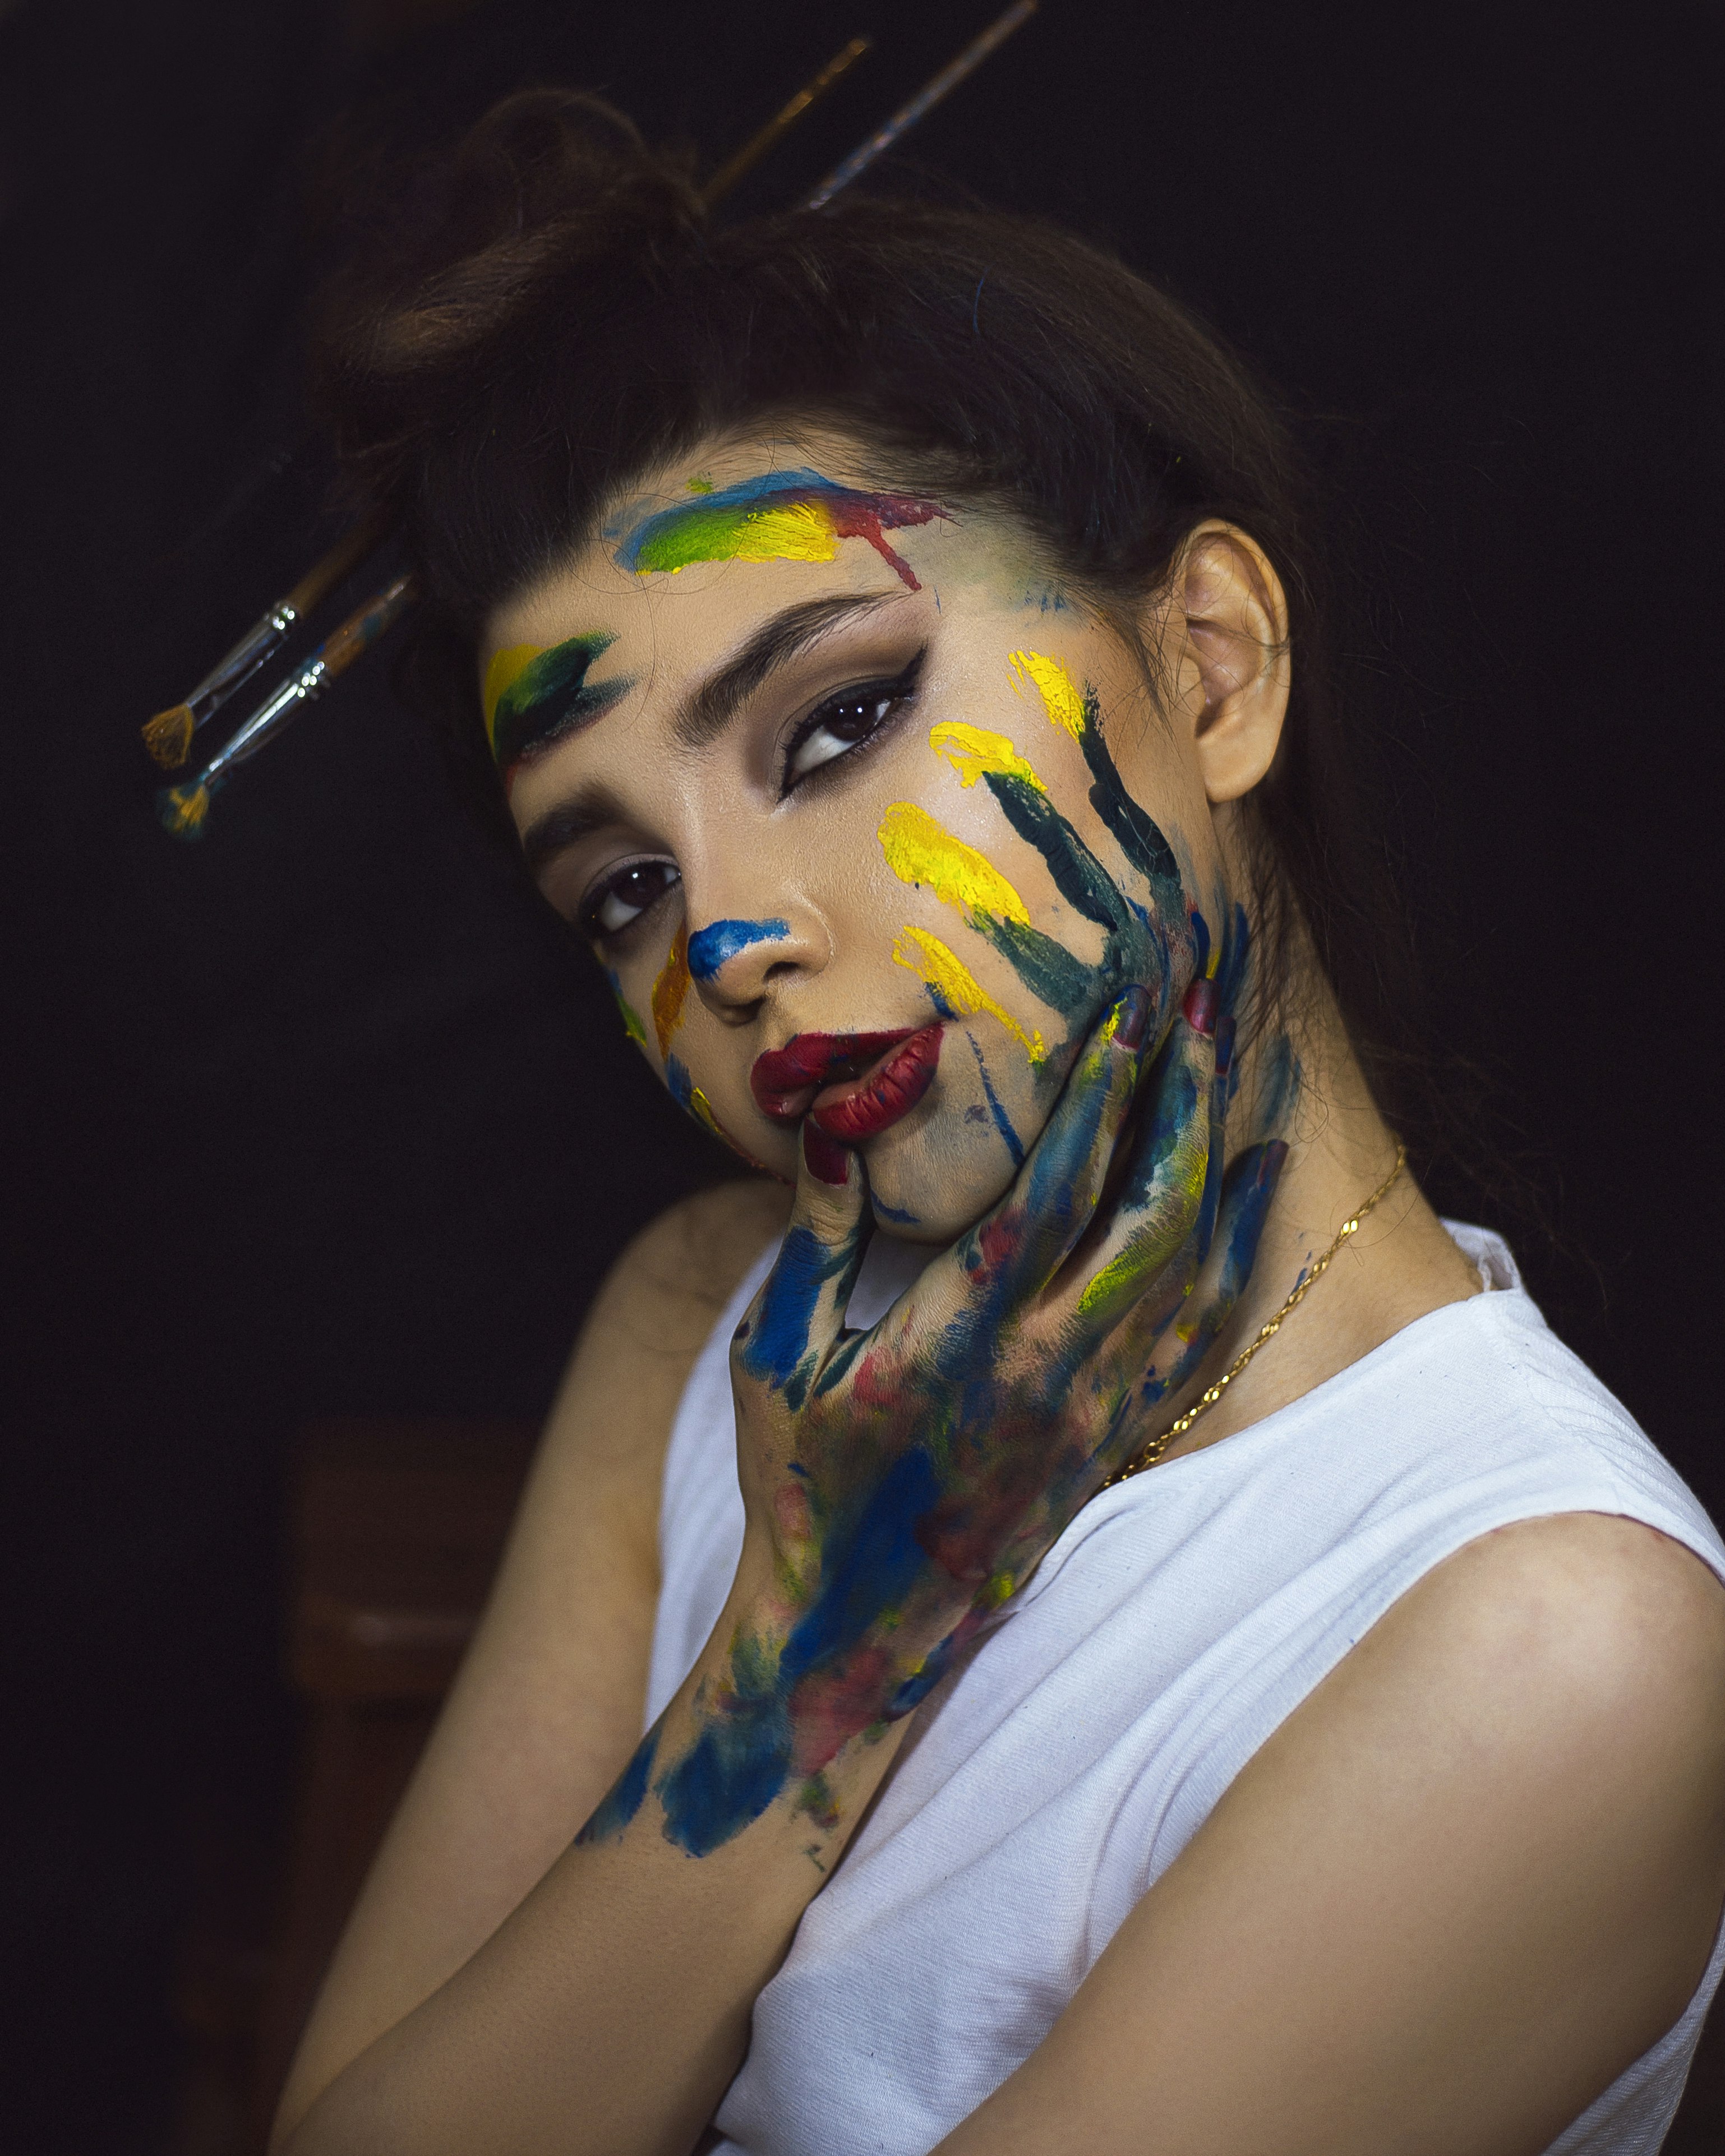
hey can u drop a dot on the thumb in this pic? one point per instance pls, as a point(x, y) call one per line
point(798, 1317)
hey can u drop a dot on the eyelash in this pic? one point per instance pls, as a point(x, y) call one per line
point(899, 690)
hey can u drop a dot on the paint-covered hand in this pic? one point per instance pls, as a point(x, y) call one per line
point(902, 1483)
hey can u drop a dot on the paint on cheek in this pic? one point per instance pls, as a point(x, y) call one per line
point(954, 989)
point(920, 852)
point(1077, 713)
point(631, 1022)
point(670, 990)
point(974, 753)
point(1003, 1121)
point(709, 948)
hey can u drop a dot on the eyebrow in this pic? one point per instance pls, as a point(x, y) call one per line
point(787, 636)
point(706, 711)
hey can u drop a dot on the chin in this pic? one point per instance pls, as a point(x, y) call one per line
point(940, 1170)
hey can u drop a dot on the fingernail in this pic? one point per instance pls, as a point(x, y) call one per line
point(1224, 1046)
point(1132, 1018)
point(1200, 1006)
point(829, 1162)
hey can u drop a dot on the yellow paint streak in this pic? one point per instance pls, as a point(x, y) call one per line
point(973, 751)
point(670, 990)
point(930, 960)
point(1061, 696)
point(919, 851)
point(799, 531)
point(505, 669)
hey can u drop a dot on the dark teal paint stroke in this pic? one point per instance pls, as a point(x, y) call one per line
point(1138, 838)
point(551, 698)
point(1079, 876)
point(1047, 968)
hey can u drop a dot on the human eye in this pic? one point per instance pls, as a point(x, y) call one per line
point(844, 722)
point(624, 897)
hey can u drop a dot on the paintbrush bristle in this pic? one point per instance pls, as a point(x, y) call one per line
point(168, 735)
point(183, 809)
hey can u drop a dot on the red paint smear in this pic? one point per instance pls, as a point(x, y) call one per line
point(830, 1707)
point(863, 517)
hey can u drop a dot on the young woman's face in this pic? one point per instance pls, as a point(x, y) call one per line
point(865, 818)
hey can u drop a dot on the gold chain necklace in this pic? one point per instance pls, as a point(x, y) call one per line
point(1157, 1445)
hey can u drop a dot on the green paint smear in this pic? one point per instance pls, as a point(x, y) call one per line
point(551, 697)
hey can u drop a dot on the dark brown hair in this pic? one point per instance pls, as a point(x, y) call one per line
point(553, 314)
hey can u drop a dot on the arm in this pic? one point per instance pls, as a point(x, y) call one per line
point(897, 1487)
point(1465, 1885)
point(548, 1704)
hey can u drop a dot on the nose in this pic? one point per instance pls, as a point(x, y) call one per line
point(732, 961)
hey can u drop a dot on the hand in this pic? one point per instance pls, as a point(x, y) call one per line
point(900, 1484)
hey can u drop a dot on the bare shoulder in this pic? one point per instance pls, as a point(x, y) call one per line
point(1469, 1880)
point(1600, 1617)
point(688, 1261)
point(650, 1320)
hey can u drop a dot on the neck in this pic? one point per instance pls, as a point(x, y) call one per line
point(1399, 1266)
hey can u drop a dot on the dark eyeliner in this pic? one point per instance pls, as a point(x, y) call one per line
point(897, 689)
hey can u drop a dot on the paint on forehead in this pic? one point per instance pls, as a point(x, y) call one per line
point(670, 990)
point(710, 948)
point(955, 991)
point(534, 695)
point(779, 516)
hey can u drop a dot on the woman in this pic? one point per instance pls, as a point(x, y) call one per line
point(898, 653)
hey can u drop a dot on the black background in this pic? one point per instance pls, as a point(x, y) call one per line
point(324, 1113)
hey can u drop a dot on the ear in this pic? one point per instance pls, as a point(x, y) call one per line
point(1234, 663)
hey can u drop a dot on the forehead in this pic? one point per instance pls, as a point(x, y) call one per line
point(736, 527)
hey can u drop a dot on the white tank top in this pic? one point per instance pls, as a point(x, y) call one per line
point(1055, 1774)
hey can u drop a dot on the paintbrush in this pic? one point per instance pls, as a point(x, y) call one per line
point(185, 808)
point(782, 122)
point(930, 95)
point(168, 735)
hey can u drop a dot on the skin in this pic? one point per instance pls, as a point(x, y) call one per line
point(1471, 1879)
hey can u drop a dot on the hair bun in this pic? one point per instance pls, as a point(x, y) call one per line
point(455, 258)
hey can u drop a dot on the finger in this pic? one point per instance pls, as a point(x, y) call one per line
point(799, 1314)
point(1156, 1233)
point(1015, 1251)
point(1173, 1357)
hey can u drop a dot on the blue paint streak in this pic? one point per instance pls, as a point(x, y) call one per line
point(872, 1565)
point(681, 1085)
point(624, 1799)
point(748, 494)
point(893, 1213)
point(780, 1339)
point(1002, 1122)
point(729, 1775)
point(709, 948)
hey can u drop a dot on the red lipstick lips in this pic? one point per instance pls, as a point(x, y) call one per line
point(854, 1084)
